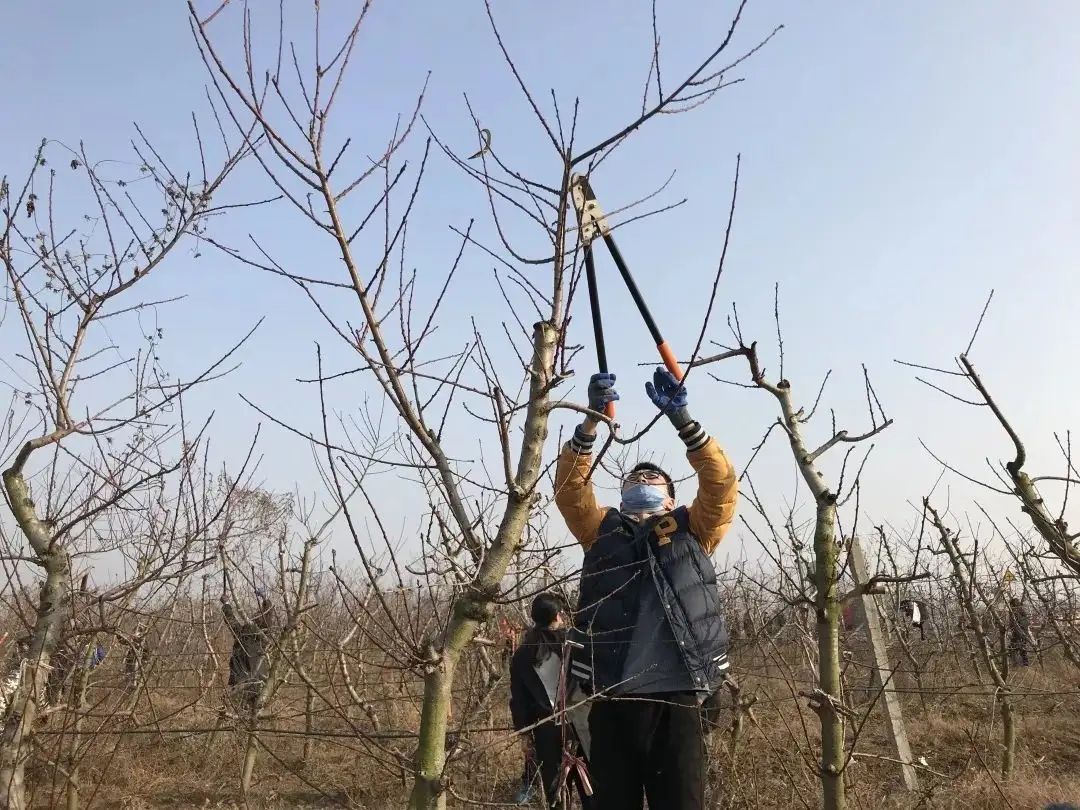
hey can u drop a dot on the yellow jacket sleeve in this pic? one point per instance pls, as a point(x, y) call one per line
point(575, 496)
point(713, 508)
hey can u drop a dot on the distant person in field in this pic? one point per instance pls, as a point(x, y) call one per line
point(535, 675)
point(249, 660)
point(915, 613)
point(69, 657)
point(1020, 642)
point(649, 617)
point(135, 658)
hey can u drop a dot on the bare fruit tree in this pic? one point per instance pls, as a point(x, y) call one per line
point(987, 620)
point(105, 483)
point(815, 583)
point(475, 516)
point(1049, 570)
point(1012, 476)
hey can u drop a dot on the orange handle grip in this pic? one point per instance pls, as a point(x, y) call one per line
point(609, 410)
point(669, 359)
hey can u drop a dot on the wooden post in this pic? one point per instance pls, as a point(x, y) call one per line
point(883, 673)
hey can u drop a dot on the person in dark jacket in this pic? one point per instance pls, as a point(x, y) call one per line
point(97, 656)
point(535, 675)
point(249, 662)
point(135, 658)
point(649, 618)
point(1020, 643)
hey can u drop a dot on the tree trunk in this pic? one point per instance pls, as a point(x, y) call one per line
point(309, 724)
point(826, 553)
point(79, 689)
point(826, 599)
point(1008, 736)
point(16, 738)
point(250, 758)
point(474, 606)
point(427, 792)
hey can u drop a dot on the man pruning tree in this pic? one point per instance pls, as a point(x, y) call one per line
point(649, 620)
point(1020, 641)
point(249, 661)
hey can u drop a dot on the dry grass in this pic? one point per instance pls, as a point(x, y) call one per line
point(952, 722)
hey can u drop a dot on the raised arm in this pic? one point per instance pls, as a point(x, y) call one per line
point(231, 619)
point(713, 508)
point(266, 621)
point(574, 493)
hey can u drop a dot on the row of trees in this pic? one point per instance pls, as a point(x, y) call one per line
point(308, 673)
point(104, 472)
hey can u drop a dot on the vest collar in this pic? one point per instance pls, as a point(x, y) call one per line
point(645, 517)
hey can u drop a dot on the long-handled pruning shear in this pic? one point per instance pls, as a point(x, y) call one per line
point(593, 223)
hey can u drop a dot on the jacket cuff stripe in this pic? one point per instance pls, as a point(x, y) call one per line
point(693, 436)
point(582, 443)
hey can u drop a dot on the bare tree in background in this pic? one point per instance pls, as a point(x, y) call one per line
point(987, 617)
point(1050, 573)
point(476, 517)
point(284, 537)
point(820, 587)
point(1013, 480)
point(100, 467)
point(1055, 594)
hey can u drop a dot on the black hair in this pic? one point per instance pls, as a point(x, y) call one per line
point(648, 465)
point(542, 639)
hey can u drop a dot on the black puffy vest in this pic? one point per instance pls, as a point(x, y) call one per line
point(658, 553)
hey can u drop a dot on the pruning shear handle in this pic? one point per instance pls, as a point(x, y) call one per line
point(593, 223)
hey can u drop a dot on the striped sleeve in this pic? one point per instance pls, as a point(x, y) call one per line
point(574, 493)
point(713, 509)
point(582, 442)
point(693, 436)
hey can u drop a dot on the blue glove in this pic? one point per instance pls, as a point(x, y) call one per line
point(669, 395)
point(602, 391)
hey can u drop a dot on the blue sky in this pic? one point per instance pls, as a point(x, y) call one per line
point(899, 160)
